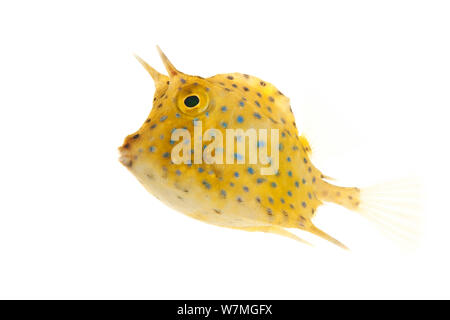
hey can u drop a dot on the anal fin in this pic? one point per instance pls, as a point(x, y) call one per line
point(316, 231)
point(275, 230)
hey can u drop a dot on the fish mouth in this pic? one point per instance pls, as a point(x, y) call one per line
point(125, 156)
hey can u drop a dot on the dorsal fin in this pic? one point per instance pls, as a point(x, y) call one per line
point(305, 144)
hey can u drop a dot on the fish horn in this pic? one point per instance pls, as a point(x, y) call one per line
point(157, 77)
point(169, 66)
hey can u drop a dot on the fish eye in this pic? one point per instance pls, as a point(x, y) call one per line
point(191, 101)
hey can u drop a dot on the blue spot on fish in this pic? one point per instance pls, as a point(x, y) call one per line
point(238, 156)
point(206, 184)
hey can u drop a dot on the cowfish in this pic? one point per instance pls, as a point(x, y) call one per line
point(212, 179)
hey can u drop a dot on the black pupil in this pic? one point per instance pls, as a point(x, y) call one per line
point(191, 101)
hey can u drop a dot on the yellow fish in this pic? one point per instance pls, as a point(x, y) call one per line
point(214, 178)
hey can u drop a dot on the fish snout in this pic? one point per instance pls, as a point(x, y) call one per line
point(125, 155)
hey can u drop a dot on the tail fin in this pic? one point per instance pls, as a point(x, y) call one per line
point(393, 207)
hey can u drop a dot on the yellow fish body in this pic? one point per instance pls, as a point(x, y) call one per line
point(235, 195)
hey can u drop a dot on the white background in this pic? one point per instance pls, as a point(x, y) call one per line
point(370, 79)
